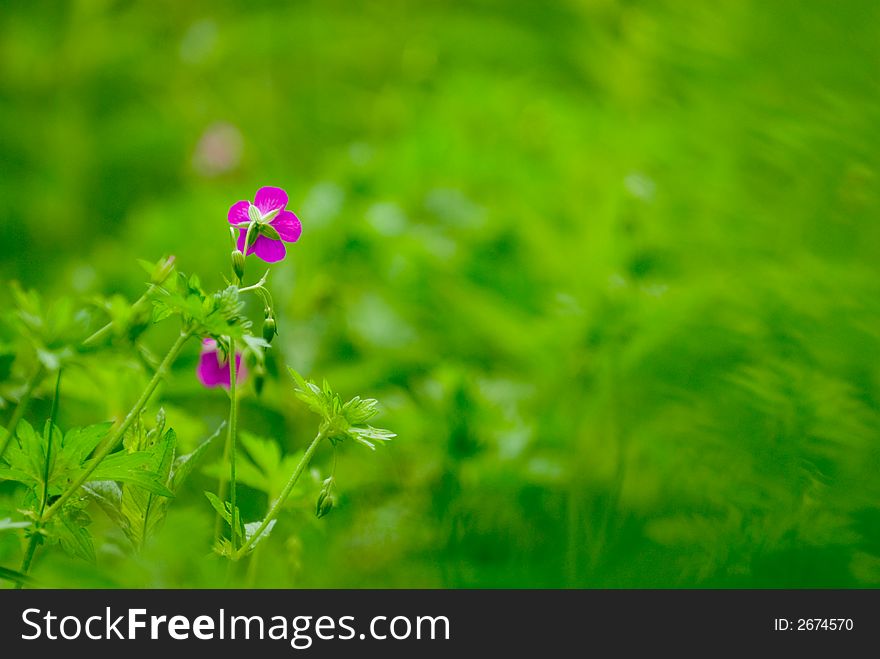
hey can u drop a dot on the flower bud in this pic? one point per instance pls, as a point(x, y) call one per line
point(326, 498)
point(269, 329)
point(163, 270)
point(324, 505)
point(238, 264)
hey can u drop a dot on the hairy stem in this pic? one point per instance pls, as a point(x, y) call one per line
point(231, 441)
point(113, 439)
point(288, 487)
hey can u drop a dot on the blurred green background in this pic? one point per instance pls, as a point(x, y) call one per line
point(611, 267)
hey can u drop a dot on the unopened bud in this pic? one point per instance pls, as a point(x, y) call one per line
point(163, 270)
point(324, 505)
point(269, 329)
point(326, 498)
point(238, 264)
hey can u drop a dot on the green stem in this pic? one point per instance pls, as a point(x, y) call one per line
point(222, 491)
point(21, 407)
point(104, 331)
point(28, 557)
point(276, 506)
point(113, 439)
point(231, 441)
point(44, 495)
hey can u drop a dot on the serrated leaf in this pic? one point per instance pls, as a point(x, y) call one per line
point(12, 474)
point(33, 450)
point(135, 468)
point(364, 435)
point(68, 528)
point(360, 410)
point(108, 496)
point(142, 509)
point(77, 445)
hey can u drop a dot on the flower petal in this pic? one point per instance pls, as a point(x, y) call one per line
point(271, 251)
point(270, 199)
point(240, 244)
point(238, 212)
point(287, 225)
point(210, 372)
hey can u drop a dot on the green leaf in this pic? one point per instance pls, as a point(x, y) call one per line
point(341, 421)
point(34, 449)
point(251, 528)
point(76, 446)
point(7, 524)
point(108, 495)
point(260, 465)
point(135, 468)
point(360, 410)
point(224, 508)
point(183, 466)
point(221, 507)
point(364, 435)
point(68, 528)
point(79, 443)
point(142, 510)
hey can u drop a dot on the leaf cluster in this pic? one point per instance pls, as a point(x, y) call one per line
point(341, 420)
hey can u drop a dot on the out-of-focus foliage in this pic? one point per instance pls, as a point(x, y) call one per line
point(613, 268)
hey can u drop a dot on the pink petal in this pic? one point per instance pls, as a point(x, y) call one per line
point(287, 225)
point(269, 250)
point(212, 373)
point(240, 244)
point(270, 199)
point(238, 212)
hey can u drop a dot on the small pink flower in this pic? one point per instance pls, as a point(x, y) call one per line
point(214, 373)
point(269, 208)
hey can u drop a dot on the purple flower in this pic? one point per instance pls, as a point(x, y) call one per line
point(267, 209)
point(211, 371)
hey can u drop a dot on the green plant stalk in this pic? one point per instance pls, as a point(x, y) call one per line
point(231, 441)
point(21, 407)
point(288, 487)
point(222, 490)
point(105, 330)
point(115, 437)
point(44, 495)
